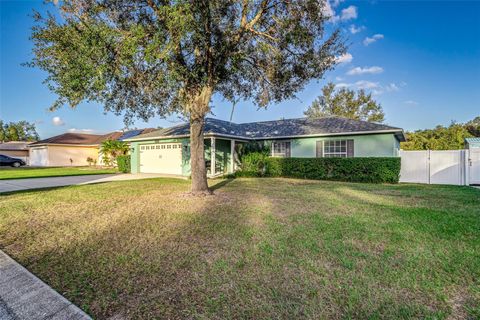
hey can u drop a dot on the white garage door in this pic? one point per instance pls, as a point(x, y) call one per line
point(161, 158)
point(39, 156)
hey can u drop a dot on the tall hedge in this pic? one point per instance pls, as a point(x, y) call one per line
point(373, 170)
point(123, 163)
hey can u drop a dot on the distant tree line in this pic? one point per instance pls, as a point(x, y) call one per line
point(18, 131)
point(442, 137)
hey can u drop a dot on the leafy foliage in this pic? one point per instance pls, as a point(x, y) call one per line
point(123, 163)
point(439, 138)
point(372, 170)
point(346, 103)
point(18, 131)
point(473, 127)
point(154, 57)
point(111, 149)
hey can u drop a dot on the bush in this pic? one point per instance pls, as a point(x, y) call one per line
point(253, 164)
point(123, 163)
point(373, 170)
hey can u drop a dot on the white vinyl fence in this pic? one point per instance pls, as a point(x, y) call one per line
point(458, 167)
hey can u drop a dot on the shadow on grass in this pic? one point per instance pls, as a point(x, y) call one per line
point(221, 184)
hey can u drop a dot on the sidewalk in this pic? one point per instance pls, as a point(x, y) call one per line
point(25, 297)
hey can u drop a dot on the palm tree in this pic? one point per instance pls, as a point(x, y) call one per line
point(111, 149)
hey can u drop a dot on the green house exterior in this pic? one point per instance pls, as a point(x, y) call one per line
point(224, 138)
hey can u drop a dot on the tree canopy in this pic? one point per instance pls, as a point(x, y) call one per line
point(18, 131)
point(150, 58)
point(450, 137)
point(343, 102)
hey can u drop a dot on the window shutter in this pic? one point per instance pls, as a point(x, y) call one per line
point(319, 149)
point(287, 149)
point(350, 148)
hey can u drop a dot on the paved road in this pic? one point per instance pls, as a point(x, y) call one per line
point(39, 183)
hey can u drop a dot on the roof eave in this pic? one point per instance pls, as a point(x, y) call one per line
point(398, 133)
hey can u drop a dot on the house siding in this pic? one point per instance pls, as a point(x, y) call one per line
point(373, 145)
point(222, 153)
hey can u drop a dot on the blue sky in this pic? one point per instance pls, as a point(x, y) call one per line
point(421, 59)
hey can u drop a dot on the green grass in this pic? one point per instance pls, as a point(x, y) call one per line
point(27, 172)
point(257, 249)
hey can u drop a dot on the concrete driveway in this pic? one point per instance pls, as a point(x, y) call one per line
point(39, 183)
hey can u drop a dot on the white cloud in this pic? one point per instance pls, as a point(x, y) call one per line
point(343, 85)
point(374, 38)
point(75, 130)
point(335, 3)
point(57, 121)
point(353, 29)
point(339, 78)
point(344, 58)
point(366, 70)
point(349, 13)
point(346, 14)
point(411, 102)
point(328, 11)
point(364, 84)
point(392, 87)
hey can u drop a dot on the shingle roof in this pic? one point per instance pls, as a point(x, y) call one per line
point(14, 145)
point(72, 138)
point(277, 129)
point(135, 132)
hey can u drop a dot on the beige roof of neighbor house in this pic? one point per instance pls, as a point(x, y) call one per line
point(78, 139)
point(15, 145)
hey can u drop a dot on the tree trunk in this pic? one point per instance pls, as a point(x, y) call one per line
point(197, 156)
point(198, 108)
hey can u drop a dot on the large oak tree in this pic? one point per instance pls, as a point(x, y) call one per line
point(149, 58)
point(343, 102)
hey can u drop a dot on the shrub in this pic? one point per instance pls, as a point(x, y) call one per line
point(253, 164)
point(373, 170)
point(123, 163)
point(90, 161)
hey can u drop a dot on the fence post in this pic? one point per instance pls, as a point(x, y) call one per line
point(429, 165)
point(466, 165)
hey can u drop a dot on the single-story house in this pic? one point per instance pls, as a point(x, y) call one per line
point(15, 149)
point(472, 143)
point(68, 149)
point(167, 150)
point(73, 149)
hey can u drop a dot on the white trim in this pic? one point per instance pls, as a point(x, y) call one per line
point(283, 141)
point(212, 156)
point(273, 138)
point(232, 156)
point(336, 154)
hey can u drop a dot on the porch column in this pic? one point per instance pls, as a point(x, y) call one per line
point(232, 156)
point(212, 156)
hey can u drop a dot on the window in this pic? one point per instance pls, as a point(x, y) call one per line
point(335, 148)
point(281, 149)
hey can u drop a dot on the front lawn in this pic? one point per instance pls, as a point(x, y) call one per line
point(32, 172)
point(257, 249)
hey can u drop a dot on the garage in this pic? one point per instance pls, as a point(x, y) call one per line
point(161, 158)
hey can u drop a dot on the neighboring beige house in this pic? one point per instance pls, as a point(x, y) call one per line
point(16, 149)
point(68, 149)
